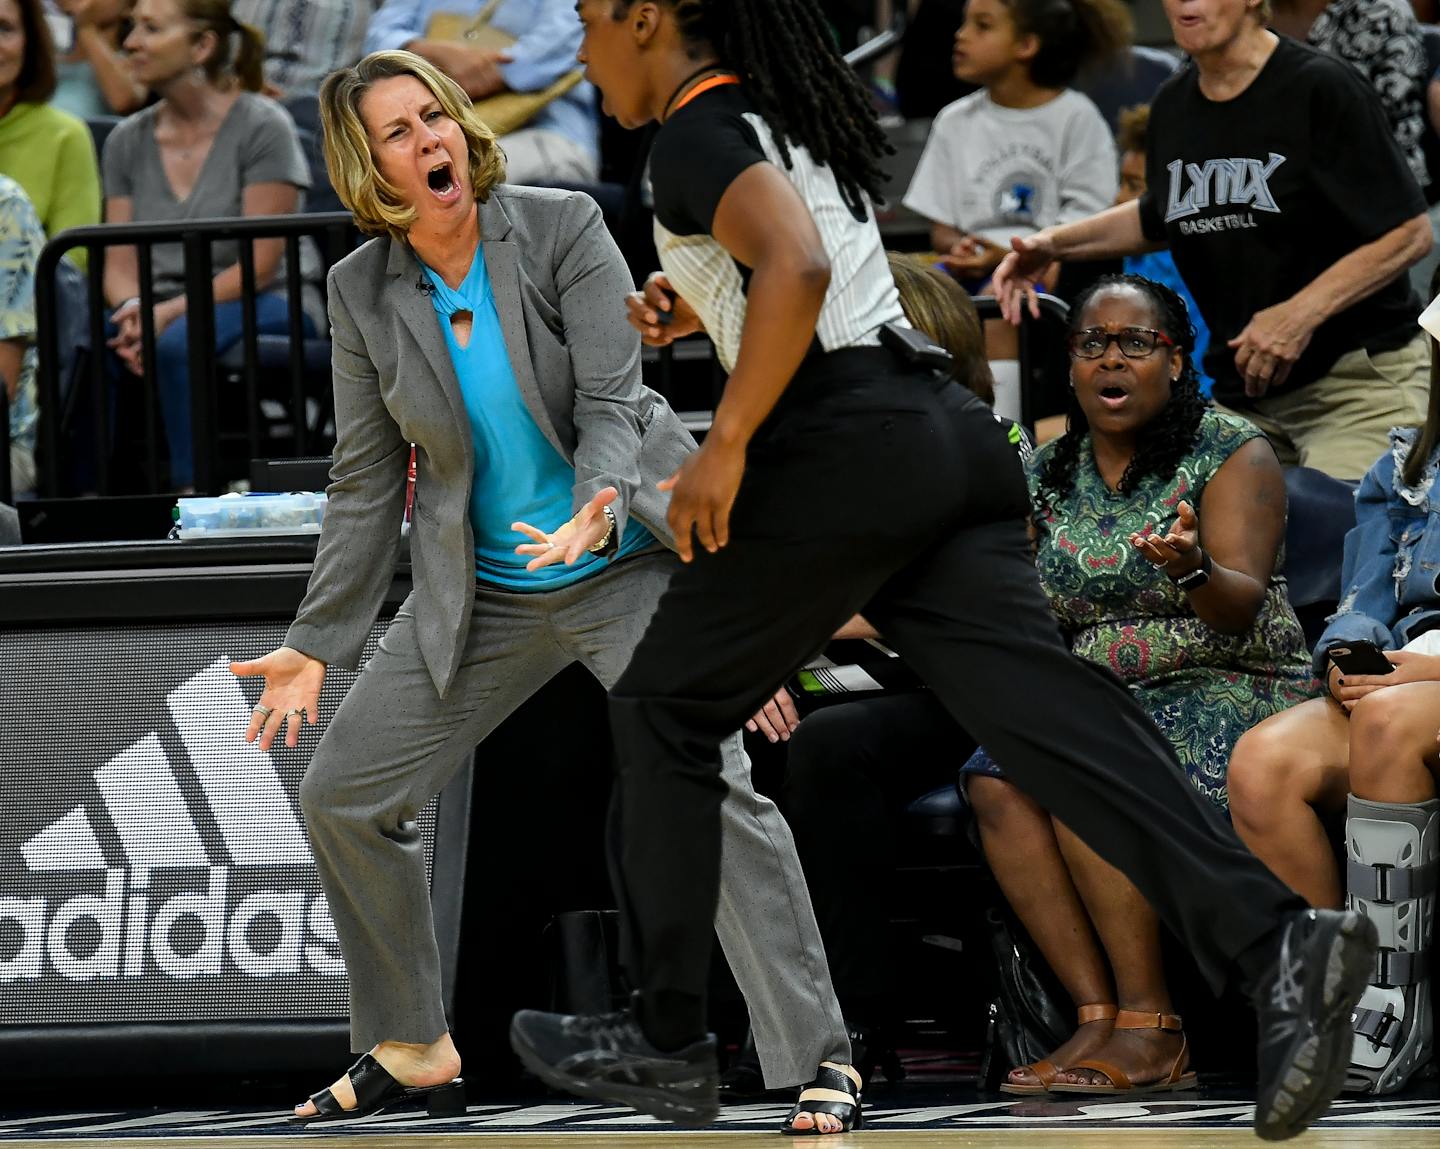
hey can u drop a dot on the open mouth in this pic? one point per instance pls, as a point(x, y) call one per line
point(441, 179)
point(1113, 395)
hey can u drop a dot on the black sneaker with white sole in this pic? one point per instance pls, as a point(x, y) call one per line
point(1325, 960)
point(607, 1056)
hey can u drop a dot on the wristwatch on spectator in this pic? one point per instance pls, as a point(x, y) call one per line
point(1196, 578)
point(608, 544)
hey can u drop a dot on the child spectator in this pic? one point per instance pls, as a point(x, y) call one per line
point(1156, 265)
point(1023, 153)
point(94, 77)
point(1026, 151)
point(46, 151)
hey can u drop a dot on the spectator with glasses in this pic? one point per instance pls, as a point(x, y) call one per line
point(1158, 532)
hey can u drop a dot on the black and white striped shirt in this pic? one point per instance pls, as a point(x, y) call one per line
point(697, 154)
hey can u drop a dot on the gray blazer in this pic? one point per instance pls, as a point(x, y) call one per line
point(559, 283)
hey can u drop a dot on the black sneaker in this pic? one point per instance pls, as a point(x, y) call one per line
point(607, 1056)
point(1326, 958)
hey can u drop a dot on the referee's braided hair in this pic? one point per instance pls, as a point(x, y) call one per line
point(1168, 438)
point(801, 86)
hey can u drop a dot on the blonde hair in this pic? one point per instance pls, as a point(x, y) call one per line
point(937, 305)
point(375, 203)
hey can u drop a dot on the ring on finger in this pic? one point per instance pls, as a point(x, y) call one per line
point(263, 711)
point(294, 710)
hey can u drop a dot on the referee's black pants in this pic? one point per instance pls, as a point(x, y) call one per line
point(876, 488)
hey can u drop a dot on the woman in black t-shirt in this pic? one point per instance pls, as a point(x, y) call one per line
point(842, 477)
point(1292, 214)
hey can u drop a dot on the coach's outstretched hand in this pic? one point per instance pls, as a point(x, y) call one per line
point(292, 691)
point(576, 536)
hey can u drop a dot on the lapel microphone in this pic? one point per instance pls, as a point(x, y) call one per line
point(424, 286)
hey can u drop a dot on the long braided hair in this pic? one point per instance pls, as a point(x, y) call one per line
point(1168, 438)
point(800, 84)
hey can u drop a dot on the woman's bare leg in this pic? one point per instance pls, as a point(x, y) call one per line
point(1393, 755)
point(1282, 773)
point(1130, 933)
point(1019, 840)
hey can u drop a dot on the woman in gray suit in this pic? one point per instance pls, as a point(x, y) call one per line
point(481, 326)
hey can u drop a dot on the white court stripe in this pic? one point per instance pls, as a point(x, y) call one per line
point(10, 1123)
point(361, 1123)
point(139, 1122)
point(549, 1114)
point(244, 792)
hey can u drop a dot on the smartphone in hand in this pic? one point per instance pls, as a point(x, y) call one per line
point(1360, 657)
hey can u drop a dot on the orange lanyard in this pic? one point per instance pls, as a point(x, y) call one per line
point(698, 89)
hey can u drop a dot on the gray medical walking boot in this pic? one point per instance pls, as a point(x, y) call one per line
point(1393, 853)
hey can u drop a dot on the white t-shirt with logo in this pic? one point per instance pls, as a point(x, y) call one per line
point(996, 172)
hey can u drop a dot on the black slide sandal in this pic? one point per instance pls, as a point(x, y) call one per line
point(834, 1092)
point(376, 1090)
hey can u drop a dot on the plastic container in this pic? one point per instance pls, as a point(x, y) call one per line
point(249, 516)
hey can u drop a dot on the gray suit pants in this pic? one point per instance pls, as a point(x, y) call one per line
point(394, 743)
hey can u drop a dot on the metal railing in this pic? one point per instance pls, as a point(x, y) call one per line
point(335, 236)
point(881, 44)
point(1054, 312)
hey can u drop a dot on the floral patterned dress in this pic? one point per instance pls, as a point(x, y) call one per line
point(1202, 688)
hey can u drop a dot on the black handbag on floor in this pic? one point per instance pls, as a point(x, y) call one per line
point(1029, 1016)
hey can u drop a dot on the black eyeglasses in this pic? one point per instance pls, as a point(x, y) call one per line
point(1134, 342)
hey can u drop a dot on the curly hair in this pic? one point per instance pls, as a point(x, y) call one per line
point(1073, 34)
point(1167, 438)
point(800, 84)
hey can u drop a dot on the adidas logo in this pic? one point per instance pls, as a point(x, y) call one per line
point(216, 925)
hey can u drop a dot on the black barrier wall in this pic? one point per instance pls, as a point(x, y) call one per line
point(155, 877)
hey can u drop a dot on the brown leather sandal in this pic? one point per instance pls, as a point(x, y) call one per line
point(1177, 1079)
point(1045, 1070)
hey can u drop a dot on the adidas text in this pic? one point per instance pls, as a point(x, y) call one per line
point(204, 932)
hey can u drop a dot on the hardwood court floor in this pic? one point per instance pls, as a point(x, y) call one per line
point(880, 1139)
point(935, 1116)
point(937, 1112)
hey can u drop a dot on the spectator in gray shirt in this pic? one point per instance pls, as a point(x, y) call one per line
point(209, 147)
